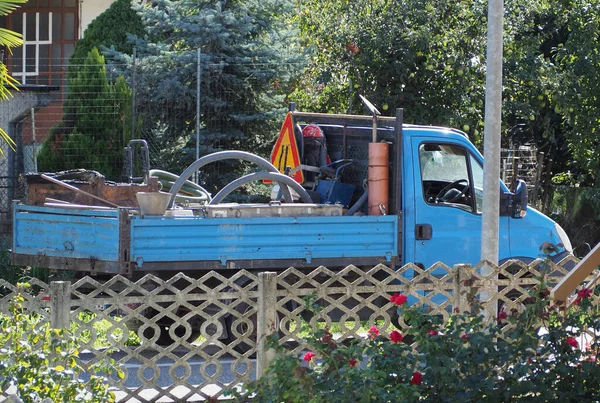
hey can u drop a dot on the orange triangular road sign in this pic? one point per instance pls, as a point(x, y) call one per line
point(285, 152)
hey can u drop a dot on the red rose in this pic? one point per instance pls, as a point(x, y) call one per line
point(373, 331)
point(327, 337)
point(416, 378)
point(572, 341)
point(584, 293)
point(398, 299)
point(464, 337)
point(353, 363)
point(309, 356)
point(396, 336)
point(432, 332)
point(502, 315)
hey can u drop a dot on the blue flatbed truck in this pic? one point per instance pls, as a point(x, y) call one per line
point(434, 214)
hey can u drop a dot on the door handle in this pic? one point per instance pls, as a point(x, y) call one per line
point(423, 232)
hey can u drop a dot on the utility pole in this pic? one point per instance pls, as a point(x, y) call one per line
point(492, 126)
point(198, 100)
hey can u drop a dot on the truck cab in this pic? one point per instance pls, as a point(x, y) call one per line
point(437, 192)
point(444, 204)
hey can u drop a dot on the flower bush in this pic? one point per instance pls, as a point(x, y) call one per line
point(37, 362)
point(542, 353)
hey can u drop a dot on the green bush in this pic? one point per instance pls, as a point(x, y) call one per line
point(37, 362)
point(8, 271)
point(533, 355)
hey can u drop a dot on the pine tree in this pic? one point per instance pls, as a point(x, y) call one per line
point(109, 29)
point(247, 55)
point(94, 129)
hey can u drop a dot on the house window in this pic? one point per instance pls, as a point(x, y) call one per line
point(49, 29)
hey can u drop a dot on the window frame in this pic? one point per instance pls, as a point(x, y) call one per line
point(468, 155)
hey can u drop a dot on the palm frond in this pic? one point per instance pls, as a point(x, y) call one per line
point(7, 83)
point(10, 38)
point(6, 6)
point(11, 143)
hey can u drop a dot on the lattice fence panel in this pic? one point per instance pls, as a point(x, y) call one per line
point(177, 339)
point(187, 339)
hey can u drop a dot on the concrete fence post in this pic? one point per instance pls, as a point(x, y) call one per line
point(462, 272)
point(60, 304)
point(266, 319)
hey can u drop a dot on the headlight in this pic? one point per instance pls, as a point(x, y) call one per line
point(564, 238)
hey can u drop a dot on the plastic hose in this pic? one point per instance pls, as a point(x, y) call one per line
point(359, 203)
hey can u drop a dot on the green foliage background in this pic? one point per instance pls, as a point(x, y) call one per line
point(426, 56)
point(40, 362)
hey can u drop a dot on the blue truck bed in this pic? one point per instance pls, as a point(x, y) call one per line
point(116, 241)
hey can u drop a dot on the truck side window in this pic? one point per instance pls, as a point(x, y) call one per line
point(445, 175)
point(477, 171)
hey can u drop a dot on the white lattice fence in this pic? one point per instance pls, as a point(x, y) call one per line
point(186, 339)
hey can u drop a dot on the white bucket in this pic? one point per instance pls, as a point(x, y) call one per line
point(153, 203)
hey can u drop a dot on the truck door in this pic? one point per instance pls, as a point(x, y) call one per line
point(448, 199)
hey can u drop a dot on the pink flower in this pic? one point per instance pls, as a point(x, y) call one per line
point(352, 363)
point(398, 299)
point(502, 315)
point(396, 336)
point(585, 293)
point(432, 332)
point(464, 337)
point(373, 332)
point(572, 341)
point(309, 356)
point(416, 378)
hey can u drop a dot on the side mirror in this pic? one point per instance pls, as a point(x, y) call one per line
point(519, 201)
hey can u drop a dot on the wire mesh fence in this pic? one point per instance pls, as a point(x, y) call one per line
point(83, 115)
point(89, 114)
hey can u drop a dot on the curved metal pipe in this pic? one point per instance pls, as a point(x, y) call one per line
point(223, 155)
point(277, 177)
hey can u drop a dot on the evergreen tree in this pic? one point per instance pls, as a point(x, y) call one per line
point(109, 29)
point(94, 129)
point(247, 51)
point(96, 124)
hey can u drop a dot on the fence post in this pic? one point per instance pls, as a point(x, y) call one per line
point(462, 272)
point(266, 319)
point(60, 302)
